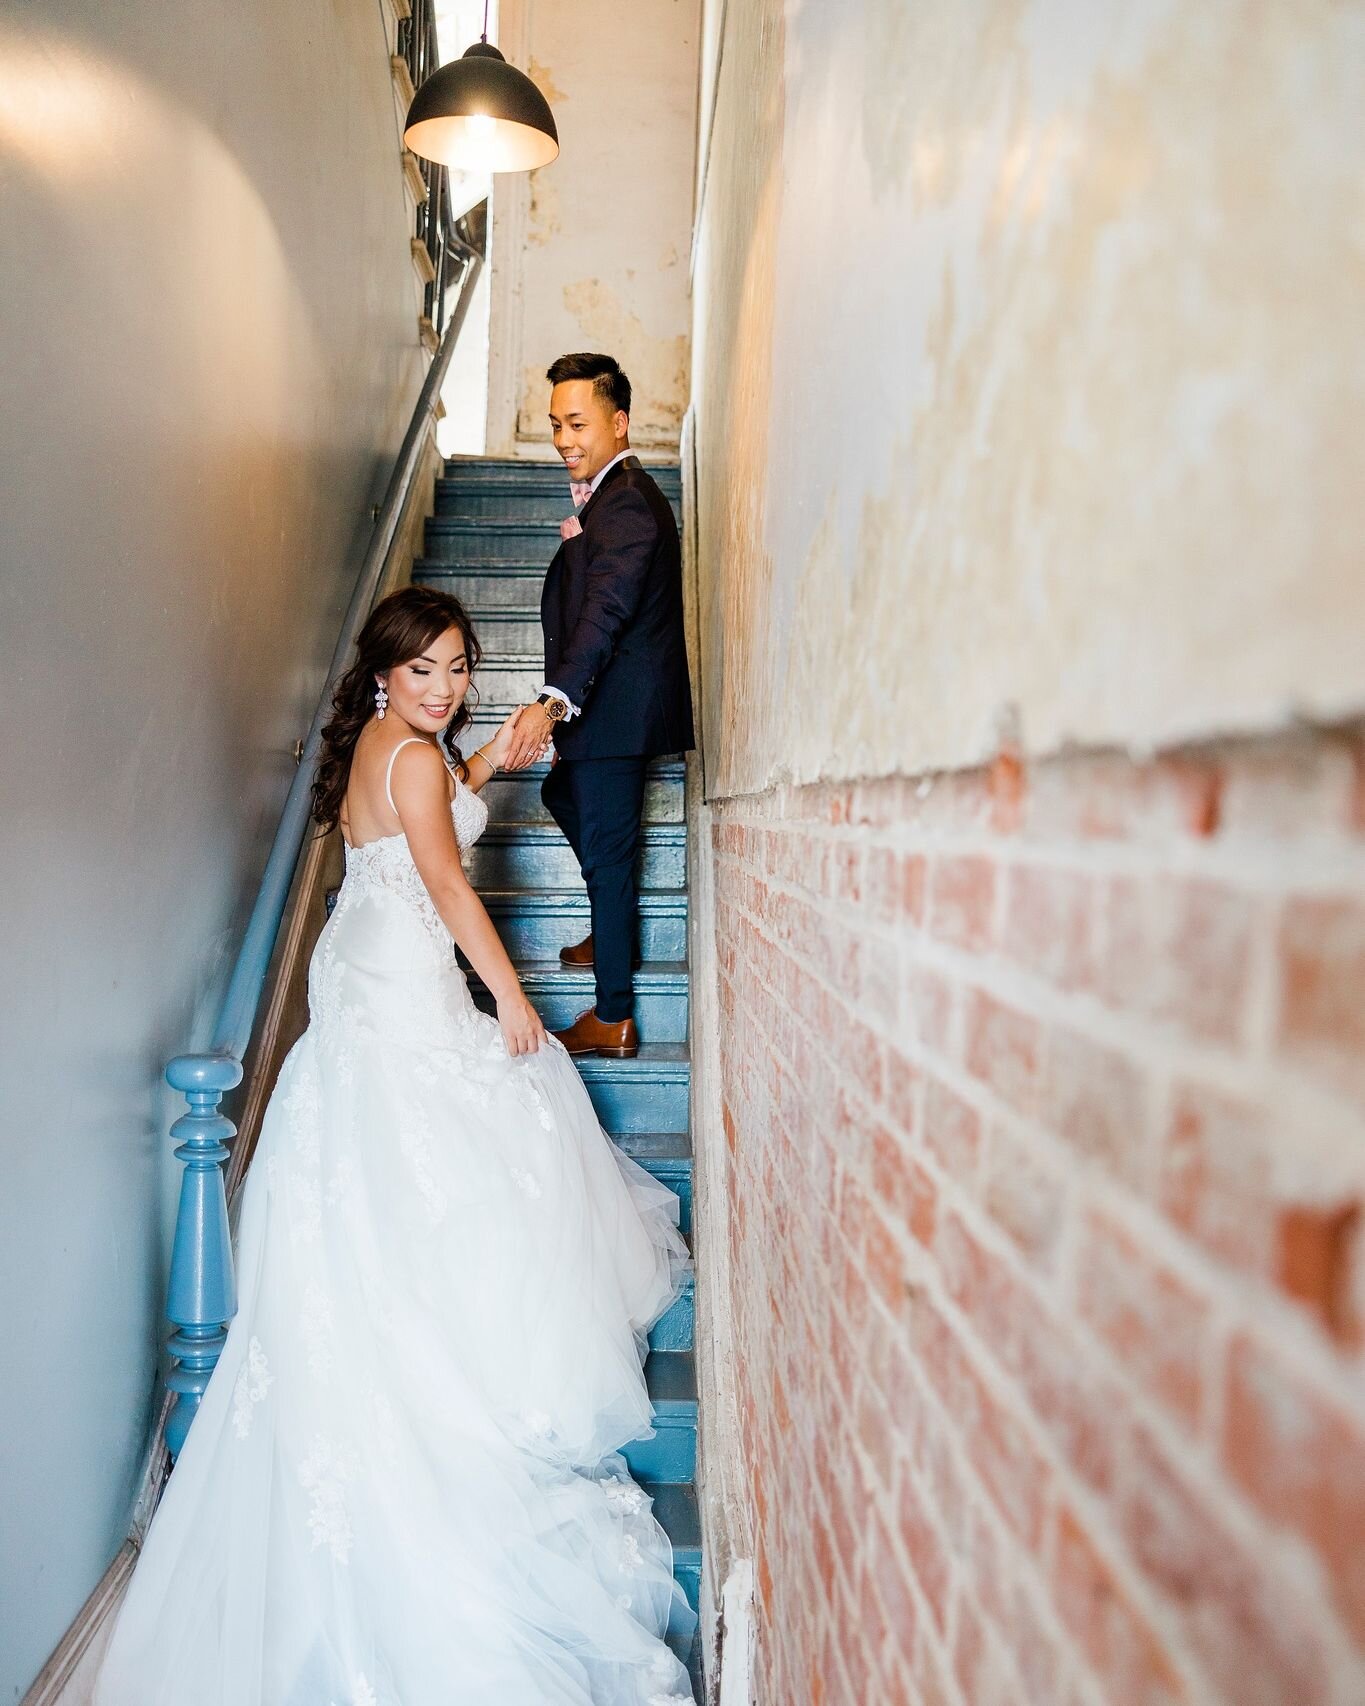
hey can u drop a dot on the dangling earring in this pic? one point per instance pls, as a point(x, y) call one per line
point(381, 701)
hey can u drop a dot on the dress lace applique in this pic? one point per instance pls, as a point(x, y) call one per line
point(525, 1182)
point(254, 1380)
point(630, 1551)
point(326, 1473)
point(529, 1096)
point(386, 864)
point(316, 1324)
point(415, 1142)
point(345, 1180)
point(362, 1693)
point(306, 1224)
point(623, 1497)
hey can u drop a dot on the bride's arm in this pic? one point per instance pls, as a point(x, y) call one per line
point(422, 800)
point(485, 761)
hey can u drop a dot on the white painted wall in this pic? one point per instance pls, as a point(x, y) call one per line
point(591, 252)
point(208, 331)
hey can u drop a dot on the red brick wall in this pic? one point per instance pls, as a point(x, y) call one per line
point(1045, 1153)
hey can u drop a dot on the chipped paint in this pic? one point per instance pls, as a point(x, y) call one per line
point(657, 366)
point(1023, 380)
point(543, 78)
point(587, 252)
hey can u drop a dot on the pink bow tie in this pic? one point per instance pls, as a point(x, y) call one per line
point(581, 490)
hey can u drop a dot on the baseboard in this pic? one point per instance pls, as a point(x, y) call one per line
point(66, 1680)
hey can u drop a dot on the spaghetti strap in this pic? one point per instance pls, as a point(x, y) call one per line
point(412, 740)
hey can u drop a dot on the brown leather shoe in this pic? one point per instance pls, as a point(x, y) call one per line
point(590, 1035)
point(580, 955)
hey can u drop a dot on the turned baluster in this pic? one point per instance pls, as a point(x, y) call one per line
point(202, 1297)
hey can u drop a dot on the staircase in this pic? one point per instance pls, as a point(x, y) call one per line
point(495, 530)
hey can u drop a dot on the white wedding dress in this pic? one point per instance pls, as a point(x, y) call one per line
point(404, 1487)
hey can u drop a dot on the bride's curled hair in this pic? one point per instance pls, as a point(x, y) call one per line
point(400, 628)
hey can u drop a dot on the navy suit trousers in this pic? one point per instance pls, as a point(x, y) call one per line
point(598, 802)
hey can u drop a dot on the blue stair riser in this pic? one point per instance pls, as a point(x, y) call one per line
point(534, 859)
point(456, 540)
point(676, 1328)
point(515, 633)
point(670, 1456)
point(489, 542)
point(675, 1505)
point(547, 508)
point(687, 1574)
point(668, 1156)
point(660, 1004)
point(506, 682)
point(635, 1095)
point(515, 798)
point(480, 592)
point(537, 926)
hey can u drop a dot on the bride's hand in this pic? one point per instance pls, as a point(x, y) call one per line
point(501, 743)
point(500, 746)
point(522, 1029)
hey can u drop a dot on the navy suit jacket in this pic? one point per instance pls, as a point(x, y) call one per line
point(612, 612)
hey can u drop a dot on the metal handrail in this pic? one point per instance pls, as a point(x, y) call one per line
point(202, 1293)
point(437, 226)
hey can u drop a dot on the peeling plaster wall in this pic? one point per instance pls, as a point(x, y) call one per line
point(591, 251)
point(1027, 378)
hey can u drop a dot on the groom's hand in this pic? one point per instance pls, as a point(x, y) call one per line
point(530, 737)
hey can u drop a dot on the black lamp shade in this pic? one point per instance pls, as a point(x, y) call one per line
point(481, 114)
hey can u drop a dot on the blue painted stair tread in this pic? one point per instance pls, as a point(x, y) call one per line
point(536, 856)
point(495, 530)
point(560, 993)
point(671, 1456)
point(536, 924)
point(515, 797)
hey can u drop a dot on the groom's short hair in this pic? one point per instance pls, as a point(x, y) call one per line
point(608, 381)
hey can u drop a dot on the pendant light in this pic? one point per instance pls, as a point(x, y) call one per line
point(480, 114)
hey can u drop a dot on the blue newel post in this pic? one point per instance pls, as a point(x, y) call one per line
point(202, 1297)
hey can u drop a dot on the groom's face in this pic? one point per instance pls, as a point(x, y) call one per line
point(588, 432)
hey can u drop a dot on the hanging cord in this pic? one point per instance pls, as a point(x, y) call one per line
point(484, 36)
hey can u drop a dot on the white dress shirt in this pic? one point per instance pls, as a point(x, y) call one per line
point(572, 710)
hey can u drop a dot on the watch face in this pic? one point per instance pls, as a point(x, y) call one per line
point(554, 709)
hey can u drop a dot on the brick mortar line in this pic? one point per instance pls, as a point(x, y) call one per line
point(1230, 1504)
point(1323, 1369)
point(1024, 1563)
point(1096, 1513)
point(1184, 1447)
point(1145, 835)
point(1212, 1065)
point(1091, 1181)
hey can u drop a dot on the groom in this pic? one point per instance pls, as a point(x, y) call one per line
point(616, 689)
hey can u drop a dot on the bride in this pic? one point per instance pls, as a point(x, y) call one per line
point(403, 1486)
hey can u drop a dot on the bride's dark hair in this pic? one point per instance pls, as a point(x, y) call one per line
point(400, 628)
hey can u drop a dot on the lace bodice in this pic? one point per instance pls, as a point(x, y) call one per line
point(386, 863)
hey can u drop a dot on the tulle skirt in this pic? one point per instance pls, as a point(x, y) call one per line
point(404, 1487)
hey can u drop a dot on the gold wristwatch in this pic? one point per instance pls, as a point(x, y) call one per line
point(554, 708)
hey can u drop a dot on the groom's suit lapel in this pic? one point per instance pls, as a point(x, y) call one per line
point(611, 475)
point(569, 556)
